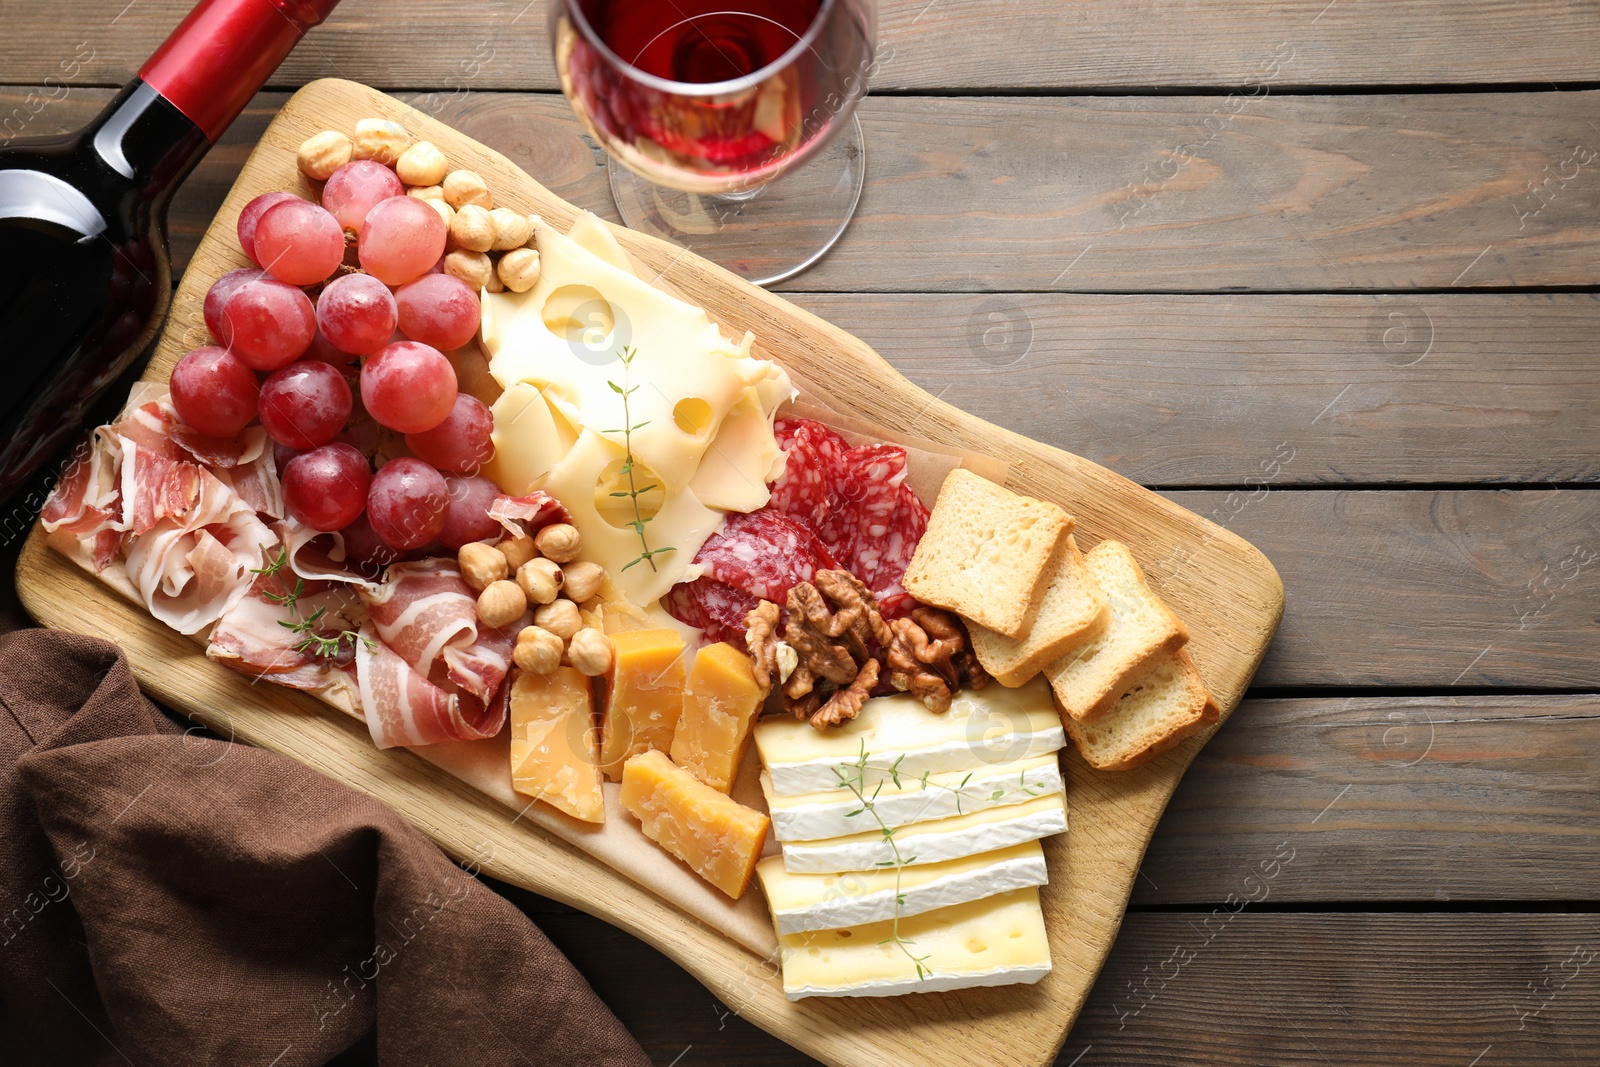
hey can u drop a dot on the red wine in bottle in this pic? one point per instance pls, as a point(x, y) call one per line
point(85, 279)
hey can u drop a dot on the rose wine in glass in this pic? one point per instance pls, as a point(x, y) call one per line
point(732, 120)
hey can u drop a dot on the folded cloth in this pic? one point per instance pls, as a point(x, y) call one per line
point(169, 898)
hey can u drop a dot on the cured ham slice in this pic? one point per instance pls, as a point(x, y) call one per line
point(321, 556)
point(190, 571)
point(422, 607)
point(522, 515)
point(83, 500)
point(257, 636)
point(245, 464)
point(402, 707)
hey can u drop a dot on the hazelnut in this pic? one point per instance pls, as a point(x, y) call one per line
point(422, 164)
point(446, 212)
point(538, 650)
point(501, 603)
point(559, 542)
point(582, 580)
point(589, 652)
point(517, 551)
point(471, 267)
point(472, 228)
point(511, 230)
point(540, 579)
point(467, 187)
point(381, 140)
point(323, 153)
point(560, 617)
point(519, 269)
point(494, 284)
point(481, 565)
point(426, 192)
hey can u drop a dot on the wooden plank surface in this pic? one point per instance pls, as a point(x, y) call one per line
point(1213, 990)
point(1126, 194)
point(1433, 799)
point(926, 44)
point(1198, 390)
point(1229, 596)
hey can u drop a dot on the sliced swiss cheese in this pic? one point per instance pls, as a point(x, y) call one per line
point(801, 902)
point(594, 236)
point(999, 940)
point(553, 756)
point(896, 736)
point(527, 440)
point(720, 700)
point(644, 698)
point(932, 842)
point(716, 835)
point(839, 812)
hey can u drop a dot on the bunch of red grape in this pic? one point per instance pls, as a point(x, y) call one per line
point(368, 350)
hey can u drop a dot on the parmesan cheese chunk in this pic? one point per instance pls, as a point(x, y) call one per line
point(646, 696)
point(553, 755)
point(720, 700)
point(717, 836)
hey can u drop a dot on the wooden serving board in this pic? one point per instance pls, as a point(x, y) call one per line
point(1224, 589)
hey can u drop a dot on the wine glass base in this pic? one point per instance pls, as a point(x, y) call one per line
point(767, 234)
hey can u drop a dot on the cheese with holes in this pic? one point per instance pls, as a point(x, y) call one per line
point(932, 842)
point(714, 834)
point(644, 695)
point(595, 237)
point(898, 734)
point(565, 334)
point(527, 441)
point(999, 940)
point(720, 700)
point(553, 756)
point(838, 812)
point(801, 902)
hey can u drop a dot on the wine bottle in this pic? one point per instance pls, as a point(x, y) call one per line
point(85, 278)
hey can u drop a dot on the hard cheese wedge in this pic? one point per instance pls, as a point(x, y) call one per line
point(646, 696)
point(719, 702)
point(839, 812)
point(932, 842)
point(899, 734)
point(719, 837)
point(553, 755)
point(802, 902)
point(996, 941)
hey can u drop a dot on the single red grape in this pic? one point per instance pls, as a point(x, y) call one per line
point(438, 310)
point(467, 517)
point(461, 442)
point(250, 217)
point(214, 392)
point(268, 323)
point(407, 502)
point(217, 297)
point(305, 404)
point(402, 238)
point(299, 242)
point(364, 551)
point(357, 314)
point(326, 488)
point(408, 387)
point(355, 188)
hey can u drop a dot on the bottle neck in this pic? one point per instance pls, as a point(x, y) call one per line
point(224, 51)
point(149, 142)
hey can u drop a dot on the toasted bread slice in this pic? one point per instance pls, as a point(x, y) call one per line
point(1164, 705)
point(1089, 679)
point(1071, 612)
point(987, 553)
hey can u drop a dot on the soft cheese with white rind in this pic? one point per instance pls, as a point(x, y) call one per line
point(898, 734)
point(839, 812)
point(801, 902)
point(932, 842)
point(999, 940)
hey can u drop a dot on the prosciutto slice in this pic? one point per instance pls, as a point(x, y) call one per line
point(256, 636)
point(402, 707)
point(191, 571)
point(319, 556)
point(523, 515)
point(452, 685)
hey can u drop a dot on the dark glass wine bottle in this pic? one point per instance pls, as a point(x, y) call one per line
point(85, 279)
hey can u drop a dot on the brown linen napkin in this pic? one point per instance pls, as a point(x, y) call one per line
point(167, 898)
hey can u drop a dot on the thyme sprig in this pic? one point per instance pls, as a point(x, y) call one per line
point(634, 490)
point(856, 783)
point(311, 639)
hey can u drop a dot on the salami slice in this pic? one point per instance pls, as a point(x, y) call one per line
point(814, 466)
point(883, 564)
point(756, 556)
point(715, 607)
point(864, 502)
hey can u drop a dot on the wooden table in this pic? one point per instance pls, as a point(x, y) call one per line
point(1323, 272)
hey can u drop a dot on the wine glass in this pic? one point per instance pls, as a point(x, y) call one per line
point(709, 109)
